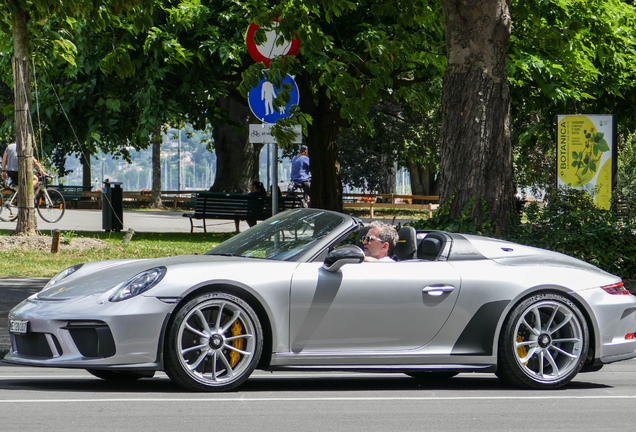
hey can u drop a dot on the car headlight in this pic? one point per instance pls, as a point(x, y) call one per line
point(62, 275)
point(138, 284)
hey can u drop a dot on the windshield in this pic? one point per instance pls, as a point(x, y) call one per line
point(283, 237)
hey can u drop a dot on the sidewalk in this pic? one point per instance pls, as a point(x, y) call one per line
point(141, 221)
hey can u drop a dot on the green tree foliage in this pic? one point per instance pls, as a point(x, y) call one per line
point(567, 57)
point(395, 135)
point(17, 18)
point(352, 55)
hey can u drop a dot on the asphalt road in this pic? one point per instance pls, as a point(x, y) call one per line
point(72, 400)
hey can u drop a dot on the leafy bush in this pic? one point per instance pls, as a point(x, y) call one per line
point(441, 220)
point(570, 223)
point(573, 225)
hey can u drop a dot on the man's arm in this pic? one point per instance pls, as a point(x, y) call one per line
point(39, 167)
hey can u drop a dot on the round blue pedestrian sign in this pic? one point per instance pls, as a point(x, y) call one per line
point(261, 100)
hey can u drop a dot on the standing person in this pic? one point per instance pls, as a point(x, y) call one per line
point(10, 163)
point(379, 242)
point(10, 166)
point(300, 171)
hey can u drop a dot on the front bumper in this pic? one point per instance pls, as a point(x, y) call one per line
point(89, 332)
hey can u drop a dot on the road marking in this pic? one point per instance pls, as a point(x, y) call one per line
point(318, 399)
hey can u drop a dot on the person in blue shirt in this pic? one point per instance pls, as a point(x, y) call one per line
point(300, 171)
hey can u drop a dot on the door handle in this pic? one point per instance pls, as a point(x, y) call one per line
point(438, 290)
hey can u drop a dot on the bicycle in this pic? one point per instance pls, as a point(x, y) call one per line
point(297, 189)
point(49, 203)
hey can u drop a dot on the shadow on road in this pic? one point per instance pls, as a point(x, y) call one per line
point(257, 385)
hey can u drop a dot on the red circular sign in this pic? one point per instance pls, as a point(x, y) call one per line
point(269, 50)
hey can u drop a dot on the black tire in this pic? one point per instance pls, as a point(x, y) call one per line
point(432, 376)
point(8, 205)
point(51, 209)
point(543, 343)
point(213, 343)
point(119, 376)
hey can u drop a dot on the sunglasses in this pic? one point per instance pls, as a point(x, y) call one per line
point(369, 238)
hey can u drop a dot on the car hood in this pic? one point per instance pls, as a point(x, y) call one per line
point(100, 277)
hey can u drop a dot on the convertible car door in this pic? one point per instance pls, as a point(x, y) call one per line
point(370, 306)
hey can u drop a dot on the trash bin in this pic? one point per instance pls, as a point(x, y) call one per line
point(112, 207)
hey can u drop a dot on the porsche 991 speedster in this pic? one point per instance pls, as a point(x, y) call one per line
point(294, 292)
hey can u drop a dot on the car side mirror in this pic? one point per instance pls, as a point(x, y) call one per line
point(338, 257)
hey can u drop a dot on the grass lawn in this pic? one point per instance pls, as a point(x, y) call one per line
point(30, 263)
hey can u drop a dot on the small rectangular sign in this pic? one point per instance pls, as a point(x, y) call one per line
point(587, 156)
point(18, 326)
point(262, 133)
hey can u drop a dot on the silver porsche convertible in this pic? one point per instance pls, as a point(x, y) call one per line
point(294, 292)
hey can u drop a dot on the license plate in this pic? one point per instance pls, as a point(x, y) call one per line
point(18, 326)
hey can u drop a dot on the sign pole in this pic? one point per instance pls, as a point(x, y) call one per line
point(274, 178)
point(260, 99)
point(269, 158)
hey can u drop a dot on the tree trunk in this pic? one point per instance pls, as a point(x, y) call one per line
point(422, 180)
point(322, 135)
point(326, 182)
point(157, 139)
point(27, 221)
point(87, 177)
point(236, 159)
point(476, 156)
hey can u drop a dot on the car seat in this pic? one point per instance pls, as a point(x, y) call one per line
point(430, 248)
point(406, 248)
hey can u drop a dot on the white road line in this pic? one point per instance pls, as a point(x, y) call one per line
point(319, 399)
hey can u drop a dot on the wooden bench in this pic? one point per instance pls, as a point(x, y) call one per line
point(71, 193)
point(388, 201)
point(236, 207)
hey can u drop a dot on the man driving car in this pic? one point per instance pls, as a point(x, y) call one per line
point(379, 242)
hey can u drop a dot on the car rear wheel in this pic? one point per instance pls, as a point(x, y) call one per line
point(544, 343)
point(214, 343)
point(119, 376)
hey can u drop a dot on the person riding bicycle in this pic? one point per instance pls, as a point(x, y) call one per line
point(10, 166)
point(300, 171)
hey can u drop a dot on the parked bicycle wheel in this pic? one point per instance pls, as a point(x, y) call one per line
point(51, 205)
point(8, 205)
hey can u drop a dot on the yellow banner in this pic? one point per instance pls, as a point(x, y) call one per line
point(585, 155)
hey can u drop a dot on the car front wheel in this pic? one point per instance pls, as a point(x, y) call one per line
point(214, 343)
point(544, 343)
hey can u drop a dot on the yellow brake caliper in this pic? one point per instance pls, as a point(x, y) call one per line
point(237, 328)
point(522, 350)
